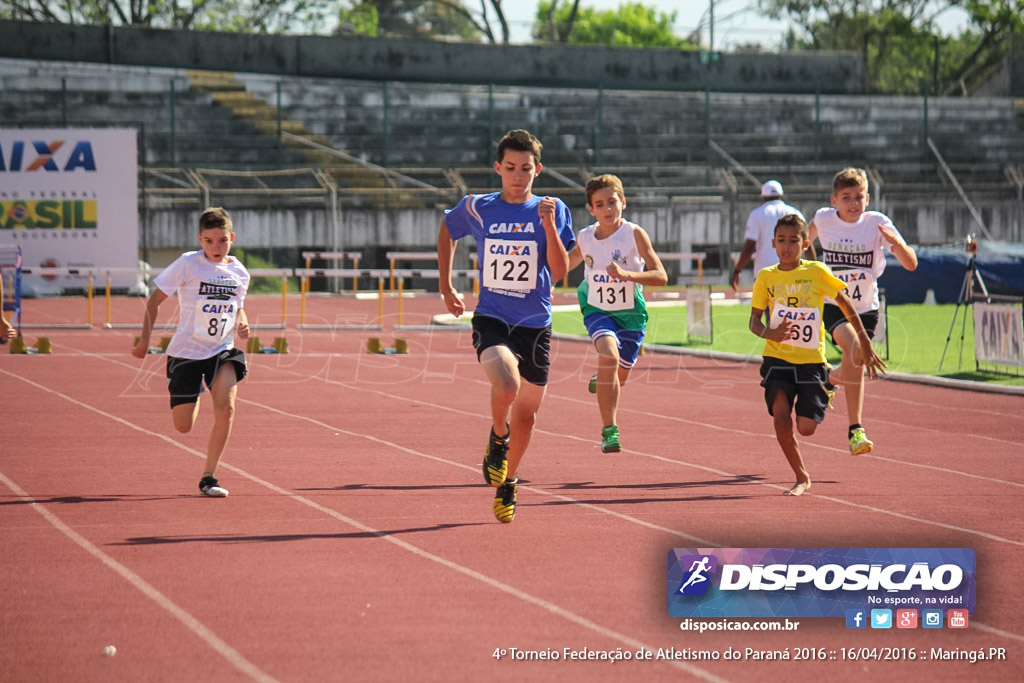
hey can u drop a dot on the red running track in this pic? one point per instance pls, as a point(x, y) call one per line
point(358, 541)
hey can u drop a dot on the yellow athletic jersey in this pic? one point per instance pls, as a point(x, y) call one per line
point(798, 296)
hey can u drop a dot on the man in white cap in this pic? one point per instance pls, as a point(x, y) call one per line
point(761, 230)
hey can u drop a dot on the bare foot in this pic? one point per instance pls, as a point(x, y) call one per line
point(800, 488)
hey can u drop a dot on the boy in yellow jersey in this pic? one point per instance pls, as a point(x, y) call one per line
point(793, 372)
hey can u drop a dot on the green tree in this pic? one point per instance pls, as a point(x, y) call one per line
point(631, 25)
point(903, 49)
point(251, 16)
point(425, 19)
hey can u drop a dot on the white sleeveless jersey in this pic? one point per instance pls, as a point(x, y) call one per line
point(604, 291)
point(210, 295)
point(855, 253)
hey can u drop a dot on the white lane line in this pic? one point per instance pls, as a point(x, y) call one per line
point(190, 622)
point(546, 605)
point(721, 473)
point(815, 445)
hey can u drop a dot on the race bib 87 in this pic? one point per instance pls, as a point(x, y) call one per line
point(214, 321)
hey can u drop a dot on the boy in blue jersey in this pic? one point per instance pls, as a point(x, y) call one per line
point(522, 244)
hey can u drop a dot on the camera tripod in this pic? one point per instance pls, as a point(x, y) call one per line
point(966, 298)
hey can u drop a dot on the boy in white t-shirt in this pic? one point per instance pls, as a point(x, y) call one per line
point(619, 260)
point(211, 289)
point(852, 242)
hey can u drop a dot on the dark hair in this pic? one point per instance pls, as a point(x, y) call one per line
point(520, 141)
point(215, 217)
point(793, 221)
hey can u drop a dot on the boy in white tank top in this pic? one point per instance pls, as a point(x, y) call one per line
point(852, 242)
point(619, 260)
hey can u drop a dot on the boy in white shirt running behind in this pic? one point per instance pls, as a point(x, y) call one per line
point(619, 260)
point(794, 373)
point(211, 289)
point(852, 242)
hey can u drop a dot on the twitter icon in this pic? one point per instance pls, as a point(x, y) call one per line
point(881, 618)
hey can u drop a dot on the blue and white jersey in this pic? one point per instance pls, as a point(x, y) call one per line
point(511, 248)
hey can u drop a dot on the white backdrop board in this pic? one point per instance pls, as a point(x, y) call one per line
point(999, 333)
point(698, 314)
point(69, 197)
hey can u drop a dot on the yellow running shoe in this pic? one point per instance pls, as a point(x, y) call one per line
point(830, 389)
point(505, 501)
point(495, 460)
point(859, 442)
point(831, 393)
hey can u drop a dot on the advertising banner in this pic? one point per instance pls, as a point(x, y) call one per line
point(69, 197)
point(999, 333)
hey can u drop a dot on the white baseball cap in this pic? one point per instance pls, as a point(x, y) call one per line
point(773, 188)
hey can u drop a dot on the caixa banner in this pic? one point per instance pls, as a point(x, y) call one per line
point(69, 198)
point(816, 582)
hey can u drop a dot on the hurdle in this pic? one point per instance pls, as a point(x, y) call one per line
point(393, 256)
point(305, 273)
point(353, 256)
point(54, 272)
point(476, 273)
point(284, 274)
point(107, 272)
point(429, 274)
point(10, 276)
point(699, 257)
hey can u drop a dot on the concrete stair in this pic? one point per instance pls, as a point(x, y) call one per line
point(229, 92)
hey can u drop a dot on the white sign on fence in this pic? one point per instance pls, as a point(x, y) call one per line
point(69, 197)
point(698, 313)
point(999, 333)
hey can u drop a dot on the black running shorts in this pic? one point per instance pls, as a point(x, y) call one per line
point(832, 316)
point(531, 345)
point(803, 383)
point(185, 376)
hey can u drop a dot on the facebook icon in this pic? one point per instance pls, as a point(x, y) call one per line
point(856, 618)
